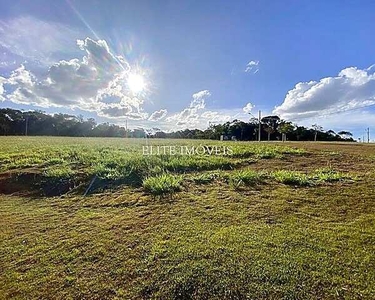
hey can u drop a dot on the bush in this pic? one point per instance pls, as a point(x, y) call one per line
point(162, 185)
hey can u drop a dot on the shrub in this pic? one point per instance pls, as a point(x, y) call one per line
point(162, 185)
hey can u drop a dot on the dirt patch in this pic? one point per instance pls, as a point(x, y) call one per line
point(19, 182)
point(29, 182)
point(315, 160)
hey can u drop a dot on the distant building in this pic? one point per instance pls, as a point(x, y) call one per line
point(228, 138)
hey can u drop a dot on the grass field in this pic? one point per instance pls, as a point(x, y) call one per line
point(271, 221)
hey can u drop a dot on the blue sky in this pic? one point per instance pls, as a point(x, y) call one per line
point(192, 62)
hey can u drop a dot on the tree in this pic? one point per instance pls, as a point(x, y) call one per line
point(269, 131)
point(317, 128)
point(271, 123)
point(285, 127)
point(345, 134)
point(12, 122)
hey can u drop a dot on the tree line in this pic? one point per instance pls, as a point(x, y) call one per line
point(34, 123)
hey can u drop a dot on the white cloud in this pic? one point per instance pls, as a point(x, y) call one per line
point(2, 80)
point(197, 116)
point(158, 115)
point(352, 88)
point(252, 67)
point(35, 39)
point(248, 108)
point(199, 99)
point(215, 117)
point(190, 115)
point(97, 82)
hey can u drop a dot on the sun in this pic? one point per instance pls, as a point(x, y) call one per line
point(136, 83)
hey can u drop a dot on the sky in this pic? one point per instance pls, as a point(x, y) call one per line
point(188, 64)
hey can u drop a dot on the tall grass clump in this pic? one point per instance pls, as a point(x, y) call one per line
point(244, 177)
point(180, 164)
point(130, 169)
point(290, 150)
point(264, 151)
point(205, 178)
point(328, 175)
point(60, 172)
point(161, 185)
point(291, 177)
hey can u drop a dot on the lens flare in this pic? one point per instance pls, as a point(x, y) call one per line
point(135, 83)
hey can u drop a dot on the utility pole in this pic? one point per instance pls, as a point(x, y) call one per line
point(260, 126)
point(126, 128)
point(368, 135)
point(26, 124)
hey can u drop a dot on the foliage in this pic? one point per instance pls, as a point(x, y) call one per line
point(270, 125)
point(16, 122)
point(285, 127)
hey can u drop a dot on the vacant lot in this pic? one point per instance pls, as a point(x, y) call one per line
point(271, 221)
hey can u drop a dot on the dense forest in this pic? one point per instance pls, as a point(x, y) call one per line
point(33, 123)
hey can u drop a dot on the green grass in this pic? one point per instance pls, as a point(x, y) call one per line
point(265, 151)
point(318, 176)
point(330, 175)
point(205, 178)
point(291, 177)
point(59, 171)
point(165, 184)
point(120, 161)
point(241, 178)
point(237, 227)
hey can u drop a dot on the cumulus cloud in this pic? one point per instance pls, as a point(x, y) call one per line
point(190, 115)
point(2, 80)
point(199, 99)
point(158, 115)
point(248, 108)
point(352, 88)
point(252, 67)
point(215, 117)
point(94, 83)
point(197, 116)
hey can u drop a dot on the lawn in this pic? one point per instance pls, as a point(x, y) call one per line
point(271, 221)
